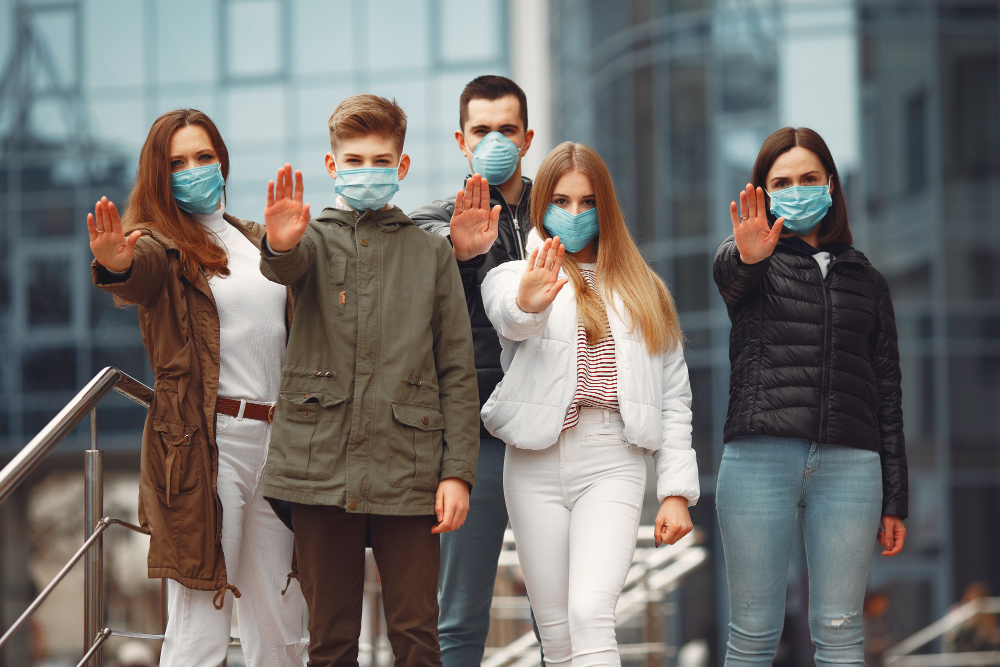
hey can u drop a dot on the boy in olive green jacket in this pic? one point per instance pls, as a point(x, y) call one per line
point(376, 430)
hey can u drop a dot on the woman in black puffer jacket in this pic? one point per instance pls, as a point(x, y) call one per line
point(815, 418)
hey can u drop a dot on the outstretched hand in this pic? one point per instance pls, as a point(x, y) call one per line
point(540, 282)
point(112, 249)
point(285, 216)
point(474, 224)
point(755, 238)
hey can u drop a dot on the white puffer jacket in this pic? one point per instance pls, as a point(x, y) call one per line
point(528, 407)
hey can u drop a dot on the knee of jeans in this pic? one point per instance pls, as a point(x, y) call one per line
point(833, 629)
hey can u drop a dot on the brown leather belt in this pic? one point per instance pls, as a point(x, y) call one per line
point(231, 407)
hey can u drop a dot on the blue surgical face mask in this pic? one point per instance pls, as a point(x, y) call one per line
point(802, 206)
point(574, 231)
point(198, 190)
point(495, 158)
point(367, 187)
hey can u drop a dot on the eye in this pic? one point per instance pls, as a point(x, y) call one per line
point(590, 203)
point(810, 179)
point(780, 185)
point(205, 156)
point(382, 161)
point(560, 201)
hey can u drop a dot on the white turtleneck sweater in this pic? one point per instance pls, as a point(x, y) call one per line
point(251, 318)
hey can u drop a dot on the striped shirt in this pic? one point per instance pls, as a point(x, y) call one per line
point(596, 372)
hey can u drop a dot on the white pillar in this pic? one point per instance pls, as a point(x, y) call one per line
point(531, 68)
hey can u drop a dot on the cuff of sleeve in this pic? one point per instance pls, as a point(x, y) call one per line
point(460, 471)
point(267, 251)
point(533, 322)
point(471, 266)
point(105, 276)
point(895, 507)
point(677, 475)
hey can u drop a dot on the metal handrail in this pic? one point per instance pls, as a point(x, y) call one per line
point(900, 654)
point(29, 458)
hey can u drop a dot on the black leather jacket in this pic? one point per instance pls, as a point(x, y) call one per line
point(512, 233)
point(815, 358)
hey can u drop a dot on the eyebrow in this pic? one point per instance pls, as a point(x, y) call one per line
point(813, 171)
point(505, 126)
point(200, 151)
point(559, 194)
point(380, 155)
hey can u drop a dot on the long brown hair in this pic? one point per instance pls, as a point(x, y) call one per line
point(621, 270)
point(151, 203)
point(834, 227)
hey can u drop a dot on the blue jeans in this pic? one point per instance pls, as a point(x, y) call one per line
point(469, 563)
point(763, 482)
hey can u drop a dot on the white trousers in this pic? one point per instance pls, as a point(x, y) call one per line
point(574, 509)
point(258, 551)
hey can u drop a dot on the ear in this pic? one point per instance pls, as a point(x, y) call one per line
point(528, 136)
point(331, 165)
point(460, 140)
point(404, 166)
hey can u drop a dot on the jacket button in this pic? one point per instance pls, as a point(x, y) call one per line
point(426, 421)
point(305, 414)
point(328, 374)
point(352, 505)
point(319, 374)
point(306, 395)
point(363, 243)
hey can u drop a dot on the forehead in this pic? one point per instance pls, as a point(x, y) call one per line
point(796, 162)
point(503, 111)
point(188, 138)
point(574, 183)
point(368, 145)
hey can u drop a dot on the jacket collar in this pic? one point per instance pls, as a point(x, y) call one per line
point(842, 252)
point(390, 219)
point(253, 231)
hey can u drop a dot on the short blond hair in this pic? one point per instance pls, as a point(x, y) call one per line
point(361, 115)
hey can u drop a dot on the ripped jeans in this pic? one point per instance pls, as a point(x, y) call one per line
point(763, 483)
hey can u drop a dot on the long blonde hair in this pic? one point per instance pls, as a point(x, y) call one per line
point(621, 270)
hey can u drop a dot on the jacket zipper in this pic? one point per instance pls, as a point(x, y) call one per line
point(827, 356)
point(519, 242)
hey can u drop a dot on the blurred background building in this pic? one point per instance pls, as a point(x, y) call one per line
point(677, 95)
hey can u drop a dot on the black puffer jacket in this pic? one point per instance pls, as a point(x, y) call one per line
point(512, 233)
point(815, 359)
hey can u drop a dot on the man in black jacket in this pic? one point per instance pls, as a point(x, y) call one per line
point(485, 230)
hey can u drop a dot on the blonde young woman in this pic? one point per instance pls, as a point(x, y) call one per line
point(595, 379)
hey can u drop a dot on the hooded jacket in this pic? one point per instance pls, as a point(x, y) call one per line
point(377, 401)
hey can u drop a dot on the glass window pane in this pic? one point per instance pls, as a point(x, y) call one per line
point(120, 60)
point(48, 291)
point(390, 18)
point(254, 44)
point(187, 33)
point(314, 27)
point(49, 370)
point(463, 41)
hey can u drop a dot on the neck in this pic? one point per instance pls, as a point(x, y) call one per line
point(812, 238)
point(513, 187)
point(586, 256)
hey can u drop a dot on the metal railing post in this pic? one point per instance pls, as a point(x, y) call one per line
point(93, 595)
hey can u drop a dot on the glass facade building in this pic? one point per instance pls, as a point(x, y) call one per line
point(678, 95)
point(84, 80)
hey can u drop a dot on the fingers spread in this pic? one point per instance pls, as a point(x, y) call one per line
point(761, 212)
point(469, 187)
point(90, 227)
point(298, 186)
point(116, 221)
point(270, 194)
point(734, 216)
point(477, 191)
point(459, 201)
point(531, 259)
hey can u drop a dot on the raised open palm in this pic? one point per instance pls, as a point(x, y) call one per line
point(285, 216)
point(755, 238)
point(112, 249)
point(474, 224)
point(540, 282)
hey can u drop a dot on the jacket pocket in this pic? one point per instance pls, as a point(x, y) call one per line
point(182, 464)
point(311, 440)
point(415, 447)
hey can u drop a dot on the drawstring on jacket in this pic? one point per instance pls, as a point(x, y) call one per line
point(220, 595)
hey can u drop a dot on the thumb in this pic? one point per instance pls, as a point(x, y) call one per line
point(131, 240)
point(439, 505)
point(776, 230)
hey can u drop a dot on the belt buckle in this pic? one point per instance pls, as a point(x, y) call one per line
point(270, 415)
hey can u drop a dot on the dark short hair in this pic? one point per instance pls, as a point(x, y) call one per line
point(490, 87)
point(834, 227)
point(361, 115)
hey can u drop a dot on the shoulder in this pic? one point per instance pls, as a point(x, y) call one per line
point(439, 210)
point(248, 227)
